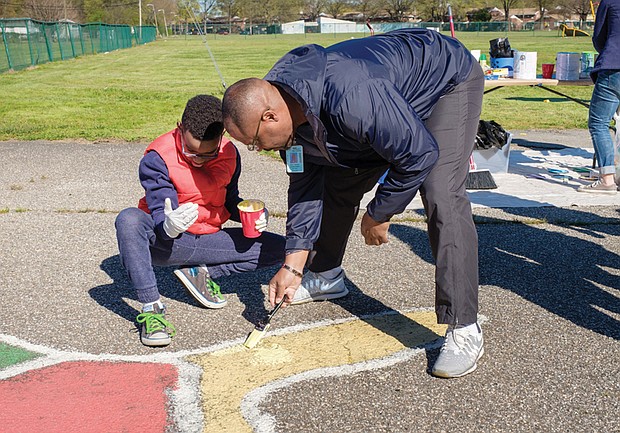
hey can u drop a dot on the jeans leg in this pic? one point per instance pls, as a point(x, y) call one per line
point(604, 103)
point(135, 235)
point(451, 230)
point(225, 252)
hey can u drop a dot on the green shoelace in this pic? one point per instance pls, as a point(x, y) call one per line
point(156, 322)
point(214, 288)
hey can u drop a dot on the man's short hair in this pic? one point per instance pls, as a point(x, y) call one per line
point(238, 99)
point(202, 117)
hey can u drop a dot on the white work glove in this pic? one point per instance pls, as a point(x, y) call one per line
point(179, 220)
point(261, 222)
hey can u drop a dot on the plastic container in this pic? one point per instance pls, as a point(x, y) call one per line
point(495, 160)
point(567, 66)
point(503, 62)
point(587, 63)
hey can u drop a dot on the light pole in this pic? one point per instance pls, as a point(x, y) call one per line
point(163, 12)
point(155, 15)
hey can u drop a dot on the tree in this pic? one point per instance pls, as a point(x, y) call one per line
point(480, 15)
point(336, 7)
point(579, 7)
point(313, 8)
point(368, 8)
point(11, 9)
point(398, 9)
point(542, 8)
point(188, 11)
point(507, 4)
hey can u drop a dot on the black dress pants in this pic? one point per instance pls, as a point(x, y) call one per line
point(451, 230)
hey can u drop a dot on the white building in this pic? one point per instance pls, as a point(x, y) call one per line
point(332, 25)
point(294, 27)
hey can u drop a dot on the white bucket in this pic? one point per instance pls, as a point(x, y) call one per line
point(567, 66)
point(525, 65)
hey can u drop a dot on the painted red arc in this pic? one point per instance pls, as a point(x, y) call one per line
point(88, 397)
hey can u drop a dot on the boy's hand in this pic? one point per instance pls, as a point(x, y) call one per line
point(180, 219)
point(262, 221)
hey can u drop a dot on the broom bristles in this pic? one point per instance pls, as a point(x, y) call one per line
point(480, 179)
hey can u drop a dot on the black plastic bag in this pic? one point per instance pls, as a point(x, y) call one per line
point(500, 48)
point(490, 134)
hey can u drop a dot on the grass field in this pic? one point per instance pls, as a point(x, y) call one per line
point(138, 93)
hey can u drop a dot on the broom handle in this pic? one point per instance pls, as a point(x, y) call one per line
point(451, 20)
point(472, 163)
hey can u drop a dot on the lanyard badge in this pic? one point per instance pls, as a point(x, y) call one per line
point(295, 159)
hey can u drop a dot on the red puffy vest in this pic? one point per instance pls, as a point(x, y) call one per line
point(205, 186)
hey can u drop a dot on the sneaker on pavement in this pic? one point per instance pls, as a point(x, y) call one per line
point(155, 330)
point(597, 187)
point(314, 287)
point(201, 287)
point(460, 352)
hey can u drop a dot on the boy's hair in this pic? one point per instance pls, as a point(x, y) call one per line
point(202, 117)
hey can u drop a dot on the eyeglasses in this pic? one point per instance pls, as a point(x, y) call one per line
point(209, 156)
point(252, 146)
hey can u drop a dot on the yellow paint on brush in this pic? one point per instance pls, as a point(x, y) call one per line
point(238, 370)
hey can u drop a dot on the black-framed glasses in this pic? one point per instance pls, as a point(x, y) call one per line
point(252, 146)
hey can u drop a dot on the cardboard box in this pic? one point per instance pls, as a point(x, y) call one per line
point(493, 159)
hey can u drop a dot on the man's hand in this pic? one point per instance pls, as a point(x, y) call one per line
point(262, 221)
point(180, 219)
point(374, 233)
point(284, 284)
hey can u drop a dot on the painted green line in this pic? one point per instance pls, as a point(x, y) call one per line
point(10, 355)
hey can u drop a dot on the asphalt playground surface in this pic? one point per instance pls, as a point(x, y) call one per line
point(71, 361)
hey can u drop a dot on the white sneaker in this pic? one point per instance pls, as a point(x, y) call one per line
point(314, 287)
point(460, 352)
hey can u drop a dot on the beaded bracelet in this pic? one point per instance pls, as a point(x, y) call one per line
point(292, 271)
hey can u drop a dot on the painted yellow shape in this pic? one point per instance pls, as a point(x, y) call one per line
point(238, 370)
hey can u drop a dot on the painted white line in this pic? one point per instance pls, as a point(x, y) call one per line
point(265, 423)
point(185, 400)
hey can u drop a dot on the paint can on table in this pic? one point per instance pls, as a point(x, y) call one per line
point(567, 66)
point(525, 65)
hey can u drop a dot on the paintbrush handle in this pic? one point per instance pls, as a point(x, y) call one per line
point(275, 310)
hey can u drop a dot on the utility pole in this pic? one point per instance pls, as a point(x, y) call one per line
point(163, 12)
point(155, 15)
point(140, 17)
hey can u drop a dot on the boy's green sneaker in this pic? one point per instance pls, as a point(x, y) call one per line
point(155, 330)
point(201, 287)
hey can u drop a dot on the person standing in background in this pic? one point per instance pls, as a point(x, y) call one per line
point(605, 100)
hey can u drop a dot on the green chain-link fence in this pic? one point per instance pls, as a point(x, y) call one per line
point(25, 42)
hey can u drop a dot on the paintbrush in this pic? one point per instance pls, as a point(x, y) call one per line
point(261, 328)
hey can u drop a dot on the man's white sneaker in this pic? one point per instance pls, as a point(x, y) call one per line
point(460, 352)
point(314, 287)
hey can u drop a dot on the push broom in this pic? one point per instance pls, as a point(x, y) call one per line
point(476, 179)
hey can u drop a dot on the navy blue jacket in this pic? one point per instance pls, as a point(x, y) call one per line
point(366, 101)
point(606, 37)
